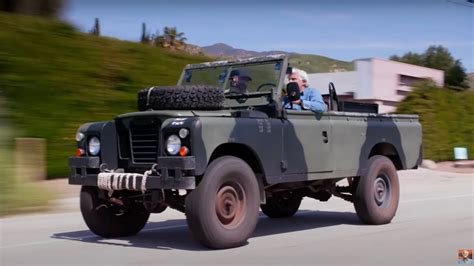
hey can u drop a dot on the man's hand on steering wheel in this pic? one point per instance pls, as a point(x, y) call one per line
point(264, 85)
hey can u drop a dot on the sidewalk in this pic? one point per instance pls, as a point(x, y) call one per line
point(450, 166)
point(66, 198)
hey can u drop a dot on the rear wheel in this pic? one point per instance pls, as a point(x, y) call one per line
point(281, 206)
point(377, 193)
point(222, 212)
point(108, 220)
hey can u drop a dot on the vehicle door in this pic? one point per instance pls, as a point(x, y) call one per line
point(307, 142)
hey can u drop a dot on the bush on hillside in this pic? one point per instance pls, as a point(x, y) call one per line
point(447, 117)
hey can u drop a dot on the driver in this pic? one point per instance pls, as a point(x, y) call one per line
point(311, 99)
point(238, 80)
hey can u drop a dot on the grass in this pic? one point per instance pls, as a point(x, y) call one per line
point(56, 78)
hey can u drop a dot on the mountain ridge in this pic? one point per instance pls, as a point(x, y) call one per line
point(308, 62)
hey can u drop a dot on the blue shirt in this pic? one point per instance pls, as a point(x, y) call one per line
point(465, 261)
point(312, 100)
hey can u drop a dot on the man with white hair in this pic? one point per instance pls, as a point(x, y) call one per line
point(310, 99)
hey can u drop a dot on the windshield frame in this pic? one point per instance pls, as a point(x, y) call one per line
point(282, 58)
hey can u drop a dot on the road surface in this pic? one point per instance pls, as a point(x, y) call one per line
point(434, 220)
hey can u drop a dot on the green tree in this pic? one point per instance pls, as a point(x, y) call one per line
point(47, 8)
point(456, 75)
point(438, 57)
point(410, 58)
point(171, 38)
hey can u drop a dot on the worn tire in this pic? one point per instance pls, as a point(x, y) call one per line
point(188, 97)
point(280, 207)
point(222, 212)
point(102, 219)
point(377, 193)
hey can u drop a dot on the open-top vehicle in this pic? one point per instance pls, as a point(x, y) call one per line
point(218, 156)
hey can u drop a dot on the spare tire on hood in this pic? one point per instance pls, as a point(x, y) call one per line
point(187, 97)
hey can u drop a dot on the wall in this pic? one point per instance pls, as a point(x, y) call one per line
point(386, 78)
point(345, 82)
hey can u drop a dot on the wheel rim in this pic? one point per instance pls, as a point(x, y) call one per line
point(382, 190)
point(230, 205)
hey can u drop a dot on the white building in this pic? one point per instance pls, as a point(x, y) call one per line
point(376, 80)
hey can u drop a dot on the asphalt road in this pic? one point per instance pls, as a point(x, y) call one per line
point(435, 218)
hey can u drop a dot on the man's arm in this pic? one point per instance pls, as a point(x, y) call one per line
point(315, 102)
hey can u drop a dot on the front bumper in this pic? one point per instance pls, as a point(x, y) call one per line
point(85, 171)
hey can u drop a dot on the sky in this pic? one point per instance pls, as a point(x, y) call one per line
point(344, 30)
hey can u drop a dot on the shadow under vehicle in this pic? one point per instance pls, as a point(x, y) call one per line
point(218, 150)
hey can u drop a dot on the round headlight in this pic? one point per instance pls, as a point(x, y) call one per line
point(79, 136)
point(173, 144)
point(94, 146)
point(183, 133)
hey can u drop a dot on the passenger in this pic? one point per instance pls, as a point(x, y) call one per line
point(311, 99)
point(238, 81)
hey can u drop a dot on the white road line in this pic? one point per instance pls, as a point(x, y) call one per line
point(31, 244)
point(438, 198)
point(184, 225)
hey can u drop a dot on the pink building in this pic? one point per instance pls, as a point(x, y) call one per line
point(376, 80)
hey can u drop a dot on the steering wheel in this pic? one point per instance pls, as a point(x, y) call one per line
point(265, 84)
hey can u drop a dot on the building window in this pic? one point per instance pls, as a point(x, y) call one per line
point(404, 80)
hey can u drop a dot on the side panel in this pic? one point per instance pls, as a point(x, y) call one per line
point(354, 138)
point(263, 136)
point(307, 143)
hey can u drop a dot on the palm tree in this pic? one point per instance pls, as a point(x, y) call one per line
point(173, 39)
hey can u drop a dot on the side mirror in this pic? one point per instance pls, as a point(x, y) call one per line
point(293, 91)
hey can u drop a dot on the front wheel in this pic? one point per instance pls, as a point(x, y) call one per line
point(377, 192)
point(222, 212)
point(107, 220)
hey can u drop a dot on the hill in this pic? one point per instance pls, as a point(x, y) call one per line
point(225, 50)
point(55, 79)
point(309, 63)
point(319, 64)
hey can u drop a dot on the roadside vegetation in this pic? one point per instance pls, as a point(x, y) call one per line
point(15, 196)
point(447, 117)
point(56, 78)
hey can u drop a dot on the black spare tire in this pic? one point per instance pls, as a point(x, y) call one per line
point(187, 97)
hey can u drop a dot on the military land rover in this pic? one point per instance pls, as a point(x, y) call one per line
point(219, 155)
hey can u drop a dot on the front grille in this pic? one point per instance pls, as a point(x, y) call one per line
point(144, 143)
